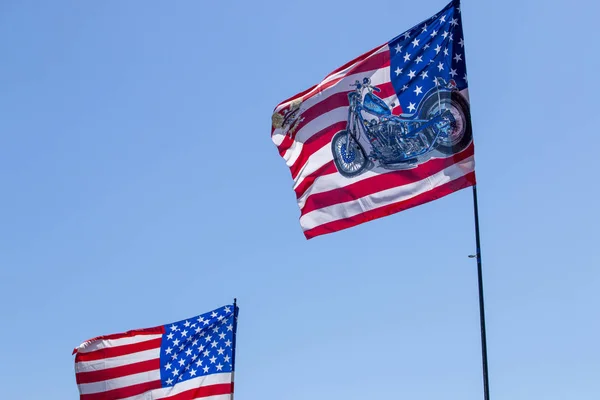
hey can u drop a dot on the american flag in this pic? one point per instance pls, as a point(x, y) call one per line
point(404, 71)
point(185, 360)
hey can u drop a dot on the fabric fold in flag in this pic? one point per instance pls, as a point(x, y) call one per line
point(385, 132)
point(184, 360)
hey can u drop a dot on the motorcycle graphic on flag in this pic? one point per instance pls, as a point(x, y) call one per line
point(374, 136)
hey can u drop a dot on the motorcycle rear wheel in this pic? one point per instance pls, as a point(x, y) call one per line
point(350, 160)
point(460, 134)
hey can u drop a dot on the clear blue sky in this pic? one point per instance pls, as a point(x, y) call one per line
point(140, 186)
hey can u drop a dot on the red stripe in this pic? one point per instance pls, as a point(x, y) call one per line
point(118, 350)
point(147, 331)
point(434, 194)
point(382, 182)
point(117, 372)
point(204, 391)
point(307, 182)
point(122, 393)
point(315, 143)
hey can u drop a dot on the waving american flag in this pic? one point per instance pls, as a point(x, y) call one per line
point(185, 360)
point(387, 131)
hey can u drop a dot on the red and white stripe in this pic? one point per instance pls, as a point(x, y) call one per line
point(127, 366)
point(328, 201)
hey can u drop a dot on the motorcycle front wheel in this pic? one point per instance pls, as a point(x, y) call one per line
point(349, 158)
point(457, 136)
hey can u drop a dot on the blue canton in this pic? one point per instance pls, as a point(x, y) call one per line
point(430, 50)
point(198, 346)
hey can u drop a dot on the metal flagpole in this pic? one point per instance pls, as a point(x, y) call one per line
point(235, 315)
point(486, 386)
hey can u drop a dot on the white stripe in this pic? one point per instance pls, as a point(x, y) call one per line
point(332, 77)
point(378, 76)
point(118, 383)
point(98, 344)
point(105, 363)
point(385, 197)
point(165, 393)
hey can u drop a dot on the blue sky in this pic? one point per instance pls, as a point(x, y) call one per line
point(140, 186)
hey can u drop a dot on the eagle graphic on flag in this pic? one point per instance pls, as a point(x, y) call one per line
point(387, 131)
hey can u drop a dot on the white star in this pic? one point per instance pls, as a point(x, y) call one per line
point(201, 347)
point(221, 336)
point(206, 353)
point(451, 37)
point(453, 72)
point(418, 90)
point(220, 351)
point(168, 366)
point(195, 342)
point(169, 381)
point(194, 357)
point(181, 362)
point(227, 309)
point(398, 71)
point(186, 324)
point(425, 28)
point(419, 59)
point(197, 330)
point(214, 343)
point(170, 336)
point(220, 317)
point(181, 347)
point(208, 338)
point(229, 327)
point(404, 87)
point(411, 74)
point(188, 352)
point(406, 57)
point(446, 52)
point(440, 66)
point(228, 343)
point(426, 46)
point(213, 359)
point(458, 9)
point(437, 49)
point(461, 42)
point(445, 34)
point(415, 42)
point(454, 22)
point(226, 358)
point(406, 34)
point(435, 80)
point(398, 50)
point(214, 314)
point(193, 372)
point(199, 363)
point(424, 74)
point(457, 57)
point(206, 322)
point(200, 319)
point(205, 369)
point(433, 34)
point(174, 357)
point(175, 372)
point(184, 332)
point(168, 350)
point(176, 342)
point(443, 19)
point(173, 327)
point(219, 367)
point(466, 78)
point(215, 329)
point(411, 107)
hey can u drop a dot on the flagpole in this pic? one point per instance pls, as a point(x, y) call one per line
point(486, 386)
point(235, 314)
